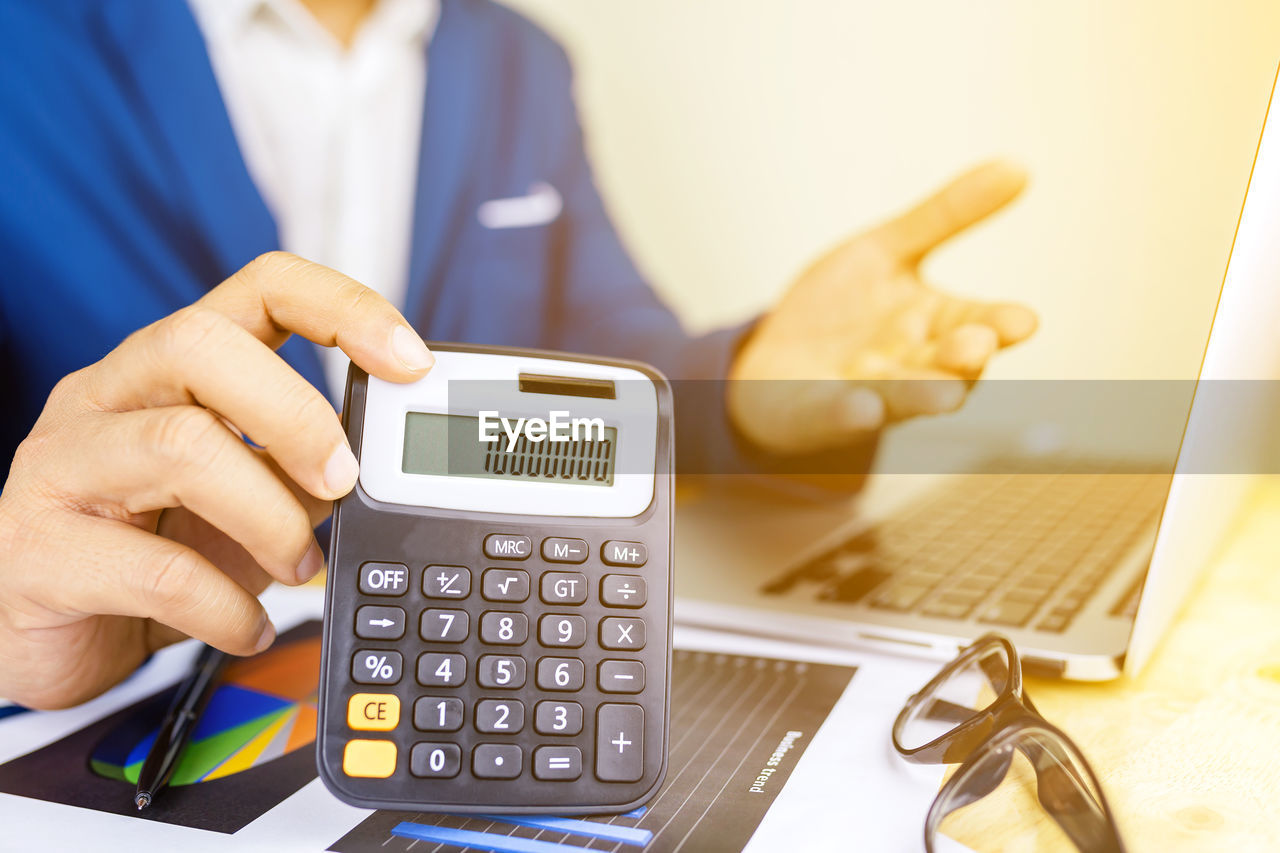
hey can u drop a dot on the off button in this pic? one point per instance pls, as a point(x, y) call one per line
point(384, 579)
point(373, 712)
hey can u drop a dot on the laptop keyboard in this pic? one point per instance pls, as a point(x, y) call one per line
point(1009, 550)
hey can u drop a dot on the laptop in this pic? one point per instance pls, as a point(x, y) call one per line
point(1078, 536)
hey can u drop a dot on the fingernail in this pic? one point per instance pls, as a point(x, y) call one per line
point(862, 409)
point(266, 638)
point(341, 471)
point(410, 349)
point(312, 563)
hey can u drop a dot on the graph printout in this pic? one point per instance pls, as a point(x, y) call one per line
point(252, 748)
point(739, 725)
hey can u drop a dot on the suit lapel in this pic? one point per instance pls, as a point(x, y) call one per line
point(162, 51)
point(458, 78)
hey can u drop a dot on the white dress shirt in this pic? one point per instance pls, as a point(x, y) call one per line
point(330, 134)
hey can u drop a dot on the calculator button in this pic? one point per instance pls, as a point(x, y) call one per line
point(369, 759)
point(557, 763)
point(501, 671)
point(618, 553)
point(505, 585)
point(617, 632)
point(384, 579)
point(437, 714)
point(373, 712)
point(497, 761)
point(621, 676)
point(561, 674)
point(504, 629)
point(499, 716)
point(507, 546)
point(620, 743)
point(376, 666)
point(435, 760)
point(557, 718)
point(441, 670)
point(623, 591)
point(563, 587)
point(379, 623)
point(446, 582)
point(564, 550)
point(444, 626)
point(559, 630)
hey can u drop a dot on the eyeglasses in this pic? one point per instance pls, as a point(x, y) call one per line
point(974, 713)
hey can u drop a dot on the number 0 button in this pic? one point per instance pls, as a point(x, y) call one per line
point(435, 760)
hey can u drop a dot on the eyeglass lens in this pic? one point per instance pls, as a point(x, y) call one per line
point(972, 685)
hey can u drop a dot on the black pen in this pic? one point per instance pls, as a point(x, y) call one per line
point(188, 703)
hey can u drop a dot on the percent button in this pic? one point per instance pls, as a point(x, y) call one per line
point(376, 667)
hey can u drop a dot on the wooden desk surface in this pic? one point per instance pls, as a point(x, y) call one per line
point(1189, 752)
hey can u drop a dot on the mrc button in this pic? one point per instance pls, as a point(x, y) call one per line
point(618, 553)
point(384, 579)
point(507, 546)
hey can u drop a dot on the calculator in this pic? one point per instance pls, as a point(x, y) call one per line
point(497, 626)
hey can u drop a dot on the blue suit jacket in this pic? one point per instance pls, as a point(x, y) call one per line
point(126, 197)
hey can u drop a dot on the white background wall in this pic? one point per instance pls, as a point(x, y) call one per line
point(734, 140)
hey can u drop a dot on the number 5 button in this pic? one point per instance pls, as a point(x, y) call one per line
point(617, 632)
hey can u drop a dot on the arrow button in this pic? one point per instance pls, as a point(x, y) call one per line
point(379, 623)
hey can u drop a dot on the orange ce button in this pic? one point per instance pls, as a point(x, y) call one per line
point(373, 712)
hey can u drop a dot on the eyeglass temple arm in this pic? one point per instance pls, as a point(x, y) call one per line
point(1093, 832)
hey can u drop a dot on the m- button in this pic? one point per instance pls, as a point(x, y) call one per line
point(618, 553)
point(507, 546)
point(373, 712)
point(564, 550)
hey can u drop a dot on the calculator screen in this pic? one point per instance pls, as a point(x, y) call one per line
point(451, 446)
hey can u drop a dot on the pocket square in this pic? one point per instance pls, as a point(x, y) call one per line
point(540, 206)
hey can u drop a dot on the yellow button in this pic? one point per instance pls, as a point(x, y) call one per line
point(373, 759)
point(373, 712)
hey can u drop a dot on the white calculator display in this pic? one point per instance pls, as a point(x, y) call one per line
point(497, 618)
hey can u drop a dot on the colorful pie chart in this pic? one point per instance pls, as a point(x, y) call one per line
point(263, 708)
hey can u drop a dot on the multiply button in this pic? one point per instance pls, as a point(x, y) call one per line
point(620, 743)
point(623, 591)
point(563, 587)
point(618, 553)
point(617, 632)
point(446, 582)
point(374, 666)
point(379, 623)
point(507, 546)
point(384, 579)
point(373, 712)
point(564, 550)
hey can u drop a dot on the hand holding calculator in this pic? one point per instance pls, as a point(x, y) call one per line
point(497, 619)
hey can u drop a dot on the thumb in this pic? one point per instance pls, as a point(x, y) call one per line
point(971, 197)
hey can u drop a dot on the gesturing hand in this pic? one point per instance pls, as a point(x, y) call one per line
point(862, 320)
point(134, 515)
